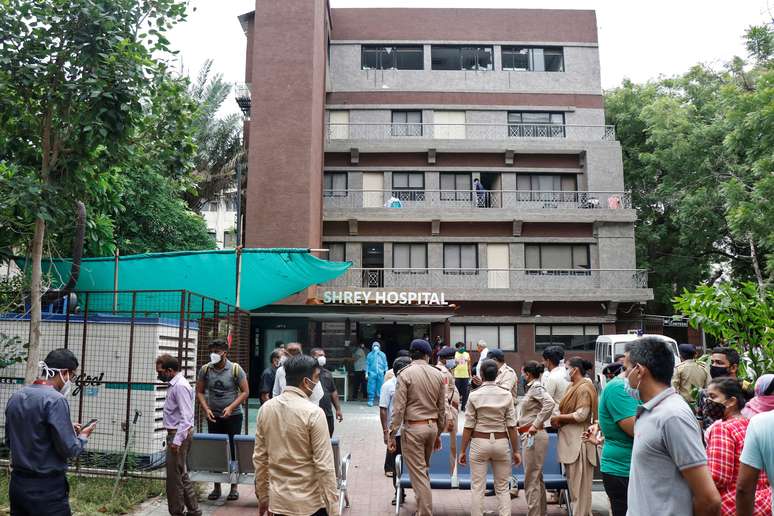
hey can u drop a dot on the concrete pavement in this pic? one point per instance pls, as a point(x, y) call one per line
point(370, 491)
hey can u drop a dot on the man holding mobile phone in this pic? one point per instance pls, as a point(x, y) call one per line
point(39, 432)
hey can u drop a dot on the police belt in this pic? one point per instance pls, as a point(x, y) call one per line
point(487, 435)
point(417, 422)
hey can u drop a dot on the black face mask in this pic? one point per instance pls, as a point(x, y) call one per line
point(718, 371)
point(163, 377)
point(713, 409)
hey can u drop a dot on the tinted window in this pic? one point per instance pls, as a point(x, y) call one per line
point(461, 58)
point(535, 59)
point(391, 57)
point(446, 58)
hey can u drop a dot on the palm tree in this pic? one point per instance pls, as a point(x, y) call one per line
point(219, 140)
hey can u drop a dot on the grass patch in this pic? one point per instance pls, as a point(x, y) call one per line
point(93, 495)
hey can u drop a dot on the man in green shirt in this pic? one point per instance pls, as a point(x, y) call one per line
point(617, 411)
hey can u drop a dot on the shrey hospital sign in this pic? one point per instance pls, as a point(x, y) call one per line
point(363, 297)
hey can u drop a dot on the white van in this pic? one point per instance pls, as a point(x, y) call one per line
point(608, 346)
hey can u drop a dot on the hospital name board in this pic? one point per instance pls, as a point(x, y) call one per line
point(364, 297)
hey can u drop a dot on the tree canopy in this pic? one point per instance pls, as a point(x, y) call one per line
point(698, 158)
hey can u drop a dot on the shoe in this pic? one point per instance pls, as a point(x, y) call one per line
point(233, 495)
point(370, 403)
point(395, 498)
point(214, 495)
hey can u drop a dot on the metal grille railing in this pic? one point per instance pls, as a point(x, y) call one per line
point(485, 279)
point(471, 131)
point(507, 199)
point(117, 337)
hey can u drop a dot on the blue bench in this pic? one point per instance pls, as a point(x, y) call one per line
point(441, 477)
point(210, 460)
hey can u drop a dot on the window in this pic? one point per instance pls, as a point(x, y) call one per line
point(335, 184)
point(213, 205)
point(500, 336)
point(580, 337)
point(408, 186)
point(406, 123)
point(533, 59)
point(390, 57)
point(229, 240)
point(409, 256)
point(556, 256)
point(460, 258)
point(456, 57)
point(535, 124)
point(231, 201)
point(547, 182)
point(456, 186)
point(337, 251)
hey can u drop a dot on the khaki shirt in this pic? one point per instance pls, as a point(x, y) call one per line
point(508, 380)
point(689, 374)
point(293, 457)
point(536, 407)
point(490, 409)
point(420, 395)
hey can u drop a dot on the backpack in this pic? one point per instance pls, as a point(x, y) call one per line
point(235, 370)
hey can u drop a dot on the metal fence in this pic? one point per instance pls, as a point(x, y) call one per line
point(117, 337)
point(468, 131)
point(472, 199)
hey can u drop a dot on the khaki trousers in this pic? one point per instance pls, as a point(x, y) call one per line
point(417, 443)
point(180, 490)
point(579, 476)
point(534, 486)
point(482, 452)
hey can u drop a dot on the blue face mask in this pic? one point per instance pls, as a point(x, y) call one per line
point(634, 392)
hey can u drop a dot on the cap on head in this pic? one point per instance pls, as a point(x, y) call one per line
point(496, 354)
point(403, 353)
point(219, 345)
point(447, 352)
point(422, 346)
point(62, 359)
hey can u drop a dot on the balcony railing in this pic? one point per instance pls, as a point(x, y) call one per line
point(471, 199)
point(468, 132)
point(490, 279)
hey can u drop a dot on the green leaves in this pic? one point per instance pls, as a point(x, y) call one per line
point(737, 316)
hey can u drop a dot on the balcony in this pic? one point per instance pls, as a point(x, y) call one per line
point(474, 131)
point(503, 284)
point(474, 200)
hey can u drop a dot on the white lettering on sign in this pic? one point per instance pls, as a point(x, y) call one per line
point(364, 297)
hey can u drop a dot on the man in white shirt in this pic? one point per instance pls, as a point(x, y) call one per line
point(483, 351)
point(294, 349)
point(555, 379)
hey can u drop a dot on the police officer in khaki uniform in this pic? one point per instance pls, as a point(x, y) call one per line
point(534, 411)
point(689, 374)
point(419, 406)
point(446, 363)
point(490, 423)
point(506, 376)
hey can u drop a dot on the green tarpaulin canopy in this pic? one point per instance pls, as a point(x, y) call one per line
point(267, 275)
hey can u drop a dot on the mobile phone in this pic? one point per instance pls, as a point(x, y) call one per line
point(91, 422)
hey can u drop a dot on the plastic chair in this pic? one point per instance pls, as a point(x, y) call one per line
point(244, 446)
point(210, 459)
point(440, 477)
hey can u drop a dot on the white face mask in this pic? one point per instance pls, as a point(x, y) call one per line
point(50, 372)
point(321, 360)
point(214, 358)
point(68, 385)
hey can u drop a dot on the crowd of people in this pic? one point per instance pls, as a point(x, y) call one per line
point(667, 439)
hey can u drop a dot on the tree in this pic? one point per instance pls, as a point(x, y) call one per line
point(697, 155)
point(218, 140)
point(739, 317)
point(72, 77)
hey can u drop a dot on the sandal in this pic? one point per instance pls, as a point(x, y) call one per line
point(233, 495)
point(214, 495)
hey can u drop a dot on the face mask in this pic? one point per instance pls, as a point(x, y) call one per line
point(634, 392)
point(312, 385)
point(162, 377)
point(451, 364)
point(713, 409)
point(718, 371)
point(68, 385)
point(321, 360)
point(570, 372)
point(215, 358)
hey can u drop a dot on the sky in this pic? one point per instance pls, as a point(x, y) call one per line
point(638, 40)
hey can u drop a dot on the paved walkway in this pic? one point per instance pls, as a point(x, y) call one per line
point(370, 491)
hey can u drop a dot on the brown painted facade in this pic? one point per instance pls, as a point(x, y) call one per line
point(523, 25)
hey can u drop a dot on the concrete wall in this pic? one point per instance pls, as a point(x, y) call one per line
point(581, 75)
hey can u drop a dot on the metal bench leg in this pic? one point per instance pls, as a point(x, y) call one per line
point(566, 495)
